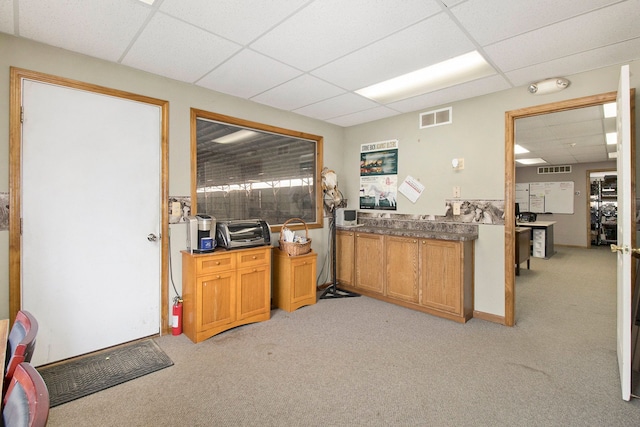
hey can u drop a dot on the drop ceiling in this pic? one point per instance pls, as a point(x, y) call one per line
point(310, 56)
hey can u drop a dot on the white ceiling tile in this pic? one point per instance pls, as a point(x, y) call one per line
point(611, 25)
point(6, 16)
point(485, 20)
point(95, 28)
point(318, 34)
point(341, 105)
point(239, 21)
point(174, 49)
point(301, 91)
point(363, 116)
point(247, 74)
point(572, 64)
point(452, 94)
point(430, 41)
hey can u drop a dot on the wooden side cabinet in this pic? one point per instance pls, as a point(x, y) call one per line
point(225, 289)
point(294, 280)
point(345, 257)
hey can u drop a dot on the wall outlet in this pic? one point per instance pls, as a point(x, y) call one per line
point(456, 208)
point(456, 191)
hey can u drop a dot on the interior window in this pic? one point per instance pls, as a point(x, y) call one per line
point(246, 170)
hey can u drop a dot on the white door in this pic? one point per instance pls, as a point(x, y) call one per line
point(625, 244)
point(90, 190)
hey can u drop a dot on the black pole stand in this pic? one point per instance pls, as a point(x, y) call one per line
point(332, 290)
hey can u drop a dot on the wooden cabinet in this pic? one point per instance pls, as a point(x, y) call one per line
point(401, 268)
point(430, 275)
point(225, 289)
point(443, 283)
point(369, 262)
point(345, 253)
point(294, 280)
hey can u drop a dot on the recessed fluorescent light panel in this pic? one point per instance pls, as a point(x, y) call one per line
point(536, 161)
point(454, 71)
point(149, 2)
point(519, 149)
point(612, 138)
point(613, 155)
point(241, 135)
point(610, 110)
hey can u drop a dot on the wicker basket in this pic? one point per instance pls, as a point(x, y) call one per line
point(295, 248)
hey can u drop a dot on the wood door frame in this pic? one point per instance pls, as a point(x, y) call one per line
point(15, 173)
point(510, 179)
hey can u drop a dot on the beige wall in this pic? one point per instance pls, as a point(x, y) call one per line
point(477, 135)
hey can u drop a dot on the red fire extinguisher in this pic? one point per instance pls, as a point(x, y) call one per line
point(176, 324)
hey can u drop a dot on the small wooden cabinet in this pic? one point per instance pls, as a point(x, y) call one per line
point(225, 289)
point(294, 280)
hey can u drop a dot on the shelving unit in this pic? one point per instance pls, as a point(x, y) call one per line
point(604, 210)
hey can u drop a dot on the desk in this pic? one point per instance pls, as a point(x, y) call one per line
point(542, 236)
point(4, 342)
point(523, 247)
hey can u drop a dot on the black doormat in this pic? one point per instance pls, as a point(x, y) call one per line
point(89, 374)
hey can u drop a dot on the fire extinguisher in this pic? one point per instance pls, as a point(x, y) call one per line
point(176, 324)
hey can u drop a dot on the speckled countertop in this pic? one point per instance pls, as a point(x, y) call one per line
point(416, 228)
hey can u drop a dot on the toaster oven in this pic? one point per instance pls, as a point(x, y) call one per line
point(242, 233)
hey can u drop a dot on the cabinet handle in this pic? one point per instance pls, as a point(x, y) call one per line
point(217, 262)
point(254, 257)
point(218, 276)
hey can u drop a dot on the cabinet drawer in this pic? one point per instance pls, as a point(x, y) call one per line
point(215, 263)
point(253, 257)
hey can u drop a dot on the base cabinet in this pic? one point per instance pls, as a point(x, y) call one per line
point(294, 280)
point(222, 290)
point(430, 275)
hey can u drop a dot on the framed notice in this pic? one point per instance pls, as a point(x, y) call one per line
point(379, 175)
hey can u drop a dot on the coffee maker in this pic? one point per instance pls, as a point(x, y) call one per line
point(201, 233)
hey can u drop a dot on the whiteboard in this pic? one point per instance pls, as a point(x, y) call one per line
point(548, 197)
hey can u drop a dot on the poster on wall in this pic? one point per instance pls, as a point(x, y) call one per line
point(379, 175)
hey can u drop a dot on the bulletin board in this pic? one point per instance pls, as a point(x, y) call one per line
point(546, 197)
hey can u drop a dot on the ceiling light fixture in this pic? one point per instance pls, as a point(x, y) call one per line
point(454, 71)
point(544, 87)
point(612, 138)
point(535, 161)
point(613, 155)
point(241, 135)
point(519, 149)
point(610, 110)
point(149, 2)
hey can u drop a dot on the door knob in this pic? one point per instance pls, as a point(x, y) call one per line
point(152, 237)
point(616, 248)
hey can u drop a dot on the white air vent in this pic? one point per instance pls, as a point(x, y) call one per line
point(436, 118)
point(554, 169)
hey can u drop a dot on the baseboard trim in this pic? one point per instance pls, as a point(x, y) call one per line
point(488, 317)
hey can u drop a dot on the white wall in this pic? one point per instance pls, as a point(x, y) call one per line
point(477, 135)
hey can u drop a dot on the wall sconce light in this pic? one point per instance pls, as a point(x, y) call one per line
point(543, 87)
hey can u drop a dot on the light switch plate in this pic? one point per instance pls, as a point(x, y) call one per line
point(456, 191)
point(456, 208)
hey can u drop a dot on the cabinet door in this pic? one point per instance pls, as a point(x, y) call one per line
point(216, 300)
point(254, 291)
point(401, 269)
point(344, 257)
point(369, 262)
point(440, 279)
point(303, 274)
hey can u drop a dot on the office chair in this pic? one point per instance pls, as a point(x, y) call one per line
point(26, 403)
point(22, 342)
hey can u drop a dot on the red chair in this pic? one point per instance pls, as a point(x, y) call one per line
point(21, 343)
point(26, 402)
